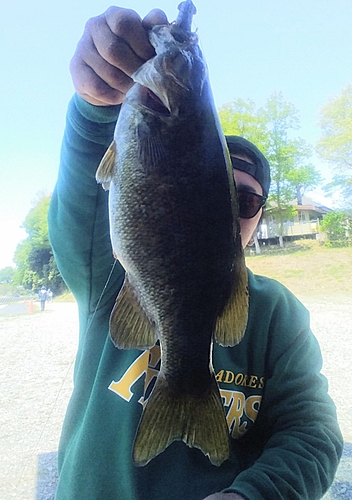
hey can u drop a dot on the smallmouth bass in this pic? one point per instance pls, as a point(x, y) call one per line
point(174, 228)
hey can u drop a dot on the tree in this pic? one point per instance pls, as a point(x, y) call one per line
point(269, 128)
point(338, 227)
point(304, 176)
point(34, 258)
point(335, 146)
point(7, 274)
point(280, 151)
point(242, 118)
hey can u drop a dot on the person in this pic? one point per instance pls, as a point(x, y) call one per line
point(42, 297)
point(285, 439)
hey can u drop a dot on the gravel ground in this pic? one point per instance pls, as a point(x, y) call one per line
point(36, 362)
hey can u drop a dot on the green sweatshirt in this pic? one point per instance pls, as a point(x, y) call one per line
point(285, 440)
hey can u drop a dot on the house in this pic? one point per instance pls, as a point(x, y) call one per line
point(304, 224)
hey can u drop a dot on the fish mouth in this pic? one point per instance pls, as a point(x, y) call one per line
point(149, 100)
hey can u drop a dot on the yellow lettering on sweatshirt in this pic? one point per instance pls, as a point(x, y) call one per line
point(252, 407)
point(130, 377)
point(241, 411)
point(234, 401)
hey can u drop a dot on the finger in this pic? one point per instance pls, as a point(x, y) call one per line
point(91, 87)
point(155, 17)
point(126, 24)
point(111, 48)
point(116, 78)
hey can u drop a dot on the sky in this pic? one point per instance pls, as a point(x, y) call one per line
point(301, 48)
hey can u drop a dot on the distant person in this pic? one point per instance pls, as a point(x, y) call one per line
point(49, 295)
point(43, 296)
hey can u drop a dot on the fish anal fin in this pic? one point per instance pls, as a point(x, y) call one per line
point(130, 327)
point(231, 324)
point(199, 422)
point(106, 167)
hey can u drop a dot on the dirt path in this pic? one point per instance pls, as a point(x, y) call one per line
point(331, 320)
point(36, 361)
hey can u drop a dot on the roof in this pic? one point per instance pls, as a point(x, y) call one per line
point(314, 208)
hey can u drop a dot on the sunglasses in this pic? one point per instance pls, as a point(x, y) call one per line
point(249, 204)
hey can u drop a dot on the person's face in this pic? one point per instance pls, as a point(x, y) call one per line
point(246, 182)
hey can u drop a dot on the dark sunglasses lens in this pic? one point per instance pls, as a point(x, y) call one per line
point(249, 204)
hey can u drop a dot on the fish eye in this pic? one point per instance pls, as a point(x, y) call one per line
point(179, 35)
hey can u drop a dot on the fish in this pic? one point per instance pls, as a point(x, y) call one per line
point(174, 227)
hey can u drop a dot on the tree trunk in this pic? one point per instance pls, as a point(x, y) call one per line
point(256, 244)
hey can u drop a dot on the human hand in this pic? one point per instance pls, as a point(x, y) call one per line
point(113, 46)
point(224, 496)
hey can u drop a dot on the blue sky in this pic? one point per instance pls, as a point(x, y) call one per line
point(302, 48)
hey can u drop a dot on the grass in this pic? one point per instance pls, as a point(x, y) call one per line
point(65, 297)
point(307, 268)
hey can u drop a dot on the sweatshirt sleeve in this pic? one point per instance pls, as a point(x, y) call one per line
point(297, 420)
point(78, 214)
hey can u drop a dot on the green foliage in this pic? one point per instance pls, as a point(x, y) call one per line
point(242, 118)
point(338, 227)
point(7, 275)
point(304, 175)
point(281, 152)
point(36, 224)
point(6, 290)
point(335, 146)
point(33, 257)
point(22, 275)
point(53, 277)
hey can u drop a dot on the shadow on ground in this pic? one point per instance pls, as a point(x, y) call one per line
point(14, 309)
point(341, 489)
point(46, 476)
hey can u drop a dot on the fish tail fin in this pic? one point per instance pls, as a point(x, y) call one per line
point(231, 324)
point(199, 422)
point(130, 327)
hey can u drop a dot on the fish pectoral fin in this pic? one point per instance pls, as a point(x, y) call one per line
point(198, 421)
point(106, 167)
point(130, 327)
point(151, 149)
point(231, 324)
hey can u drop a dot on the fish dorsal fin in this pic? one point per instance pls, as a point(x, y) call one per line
point(231, 324)
point(130, 327)
point(106, 167)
